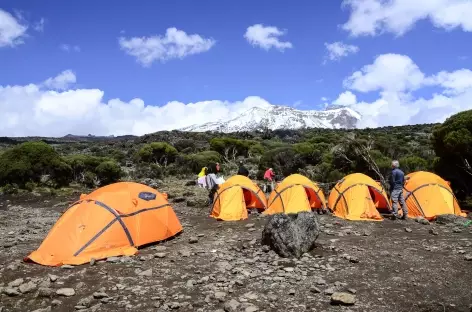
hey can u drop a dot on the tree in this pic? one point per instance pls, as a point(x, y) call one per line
point(452, 143)
point(231, 148)
point(159, 153)
point(363, 150)
point(284, 160)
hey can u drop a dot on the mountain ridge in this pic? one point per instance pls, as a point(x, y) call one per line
point(276, 117)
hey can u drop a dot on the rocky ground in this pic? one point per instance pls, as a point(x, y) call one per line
point(222, 266)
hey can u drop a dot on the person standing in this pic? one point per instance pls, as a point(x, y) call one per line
point(269, 179)
point(211, 183)
point(397, 180)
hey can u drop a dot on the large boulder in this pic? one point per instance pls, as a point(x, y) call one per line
point(291, 235)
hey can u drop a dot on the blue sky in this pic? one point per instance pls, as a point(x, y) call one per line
point(232, 69)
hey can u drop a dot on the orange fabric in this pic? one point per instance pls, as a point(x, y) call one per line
point(294, 194)
point(89, 230)
point(428, 195)
point(357, 197)
point(235, 196)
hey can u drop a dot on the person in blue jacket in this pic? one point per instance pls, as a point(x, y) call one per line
point(397, 180)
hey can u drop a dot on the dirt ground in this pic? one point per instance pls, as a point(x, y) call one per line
point(221, 266)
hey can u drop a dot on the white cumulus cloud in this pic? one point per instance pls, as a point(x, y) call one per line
point(12, 31)
point(338, 50)
point(266, 37)
point(390, 72)
point(395, 78)
point(46, 109)
point(346, 99)
point(175, 44)
point(61, 82)
point(373, 17)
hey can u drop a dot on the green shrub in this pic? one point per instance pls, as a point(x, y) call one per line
point(10, 189)
point(108, 172)
point(193, 163)
point(157, 152)
point(89, 179)
point(30, 186)
point(29, 161)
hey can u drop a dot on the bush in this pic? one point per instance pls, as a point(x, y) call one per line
point(89, 179)
point(10, 189)
point(28, 161)
point(108, 172)
point(30, 186)
point(157, 152)
point(193, 163)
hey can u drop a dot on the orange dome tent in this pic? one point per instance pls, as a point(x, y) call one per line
point(111, 221)
point(235, 196)
point(357, 197)
point(294, 194)
point(428, 195)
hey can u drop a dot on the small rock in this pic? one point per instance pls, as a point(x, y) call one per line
point(92, 261)
point(408, 230)
point(99, 295)
point(251, 308)
point(27, 287)
point(193, 240)
point(219, 295)
point(56, 302)
point(433, 232)
point(249, 225)
point(315, 290)
point(52, 278)
point(160, 255)
point(16, 282)
point(343, 298)
point(113, 259)
point(67, 292)
point(231, 306)
point(468, 257)
point(12, 292)
point(185, 253)
point(160, 248)
point(44, 292)
point(67, 266)
point(147, 273)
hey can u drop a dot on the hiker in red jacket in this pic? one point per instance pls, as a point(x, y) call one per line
point(268, 178)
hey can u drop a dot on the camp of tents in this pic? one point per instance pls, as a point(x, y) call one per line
point(355, 197)
point(117, 219)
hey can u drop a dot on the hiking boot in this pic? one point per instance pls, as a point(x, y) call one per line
point(404, 217)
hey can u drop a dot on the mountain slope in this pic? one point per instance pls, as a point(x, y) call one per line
point(282, 117)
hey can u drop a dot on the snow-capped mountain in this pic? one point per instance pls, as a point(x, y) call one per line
point(283, 117)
